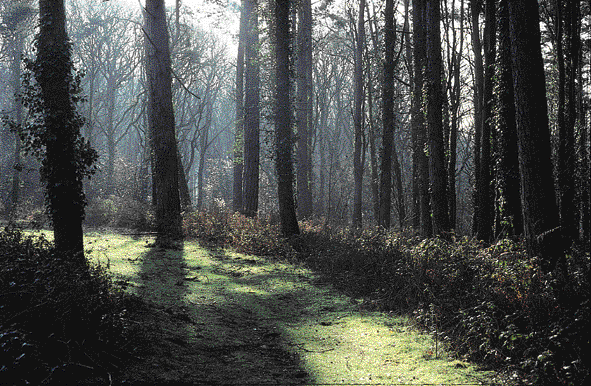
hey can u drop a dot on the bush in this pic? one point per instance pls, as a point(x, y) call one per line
point(56, 316)
point(248, 235)
point(118, 212)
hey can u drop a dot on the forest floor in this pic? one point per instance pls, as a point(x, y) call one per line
point(217, 317)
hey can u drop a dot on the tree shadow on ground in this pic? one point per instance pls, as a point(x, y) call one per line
point(204, 327)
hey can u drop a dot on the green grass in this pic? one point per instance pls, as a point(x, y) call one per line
point(246, 318)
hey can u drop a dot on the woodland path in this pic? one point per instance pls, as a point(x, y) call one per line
point(223, 318)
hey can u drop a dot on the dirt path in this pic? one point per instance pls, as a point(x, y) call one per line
point(225, 318)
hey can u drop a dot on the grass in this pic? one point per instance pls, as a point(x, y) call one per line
point(224, 317)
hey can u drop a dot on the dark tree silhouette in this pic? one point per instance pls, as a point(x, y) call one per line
point(239, 130)
point(304, 108)
point(435, 119)
point(283, 112)
point(509, 220)
point(540, 212)
point(67, 155)
point(250, 188)
point(161, 124)
point(358, 119)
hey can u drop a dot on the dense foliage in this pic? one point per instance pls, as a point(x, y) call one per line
point(489, 303)
point(57, 321)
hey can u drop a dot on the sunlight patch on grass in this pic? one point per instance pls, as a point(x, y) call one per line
point(242, 306)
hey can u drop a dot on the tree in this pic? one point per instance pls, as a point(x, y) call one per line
point(475, 10)
point(161, 124)
point(239, 128)
point(304, 110)
point(55, 134)
point(289, 224)
point(435, 119)
point(509, 220)
point(568, 66)
point(388, 117)
point(484, 209)
point(358, 119)
point(419, 138)
point(540, 212)
point(251, 111)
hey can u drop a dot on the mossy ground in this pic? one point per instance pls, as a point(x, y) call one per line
point(219, 317)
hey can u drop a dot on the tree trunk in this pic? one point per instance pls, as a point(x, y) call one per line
point(485, 207)
point(508, 193)
point(387, 117)
point(161, 125)
point(420, 161)
point(567, 119)
point(251, 112)
point(358, 120)
point(62, 177)
point(237, 202)
point(304, 117)
point(435, 120)
point(475, 8)
point(289, 223)
point(540, 212)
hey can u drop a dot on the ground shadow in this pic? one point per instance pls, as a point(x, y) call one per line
point(204, 331)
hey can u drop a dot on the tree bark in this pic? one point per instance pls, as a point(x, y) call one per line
point(508, 193)
point(475, 9)
point(485, 207)
point(540, 212)
point(304, 116)
point(435, 120)
point(289, 223)
point(62, 177)
point(387, 117)
point(161, 125)
point(568, 65)
point(239, 128)
point(420, 160)
point(251, 112)
point(358, 120)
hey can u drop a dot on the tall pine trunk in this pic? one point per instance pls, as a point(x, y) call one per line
point(251, 112)
point(358, 120)
point(237, 193)
point(304, 103)
point(509, 220)
point(387, 117)
point(540, 212)
point(161, 125)
point(289, 223)
point(485, 208)
point(435, 120)
point(419, 128)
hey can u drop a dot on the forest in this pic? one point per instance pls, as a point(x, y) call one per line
point(427, 158)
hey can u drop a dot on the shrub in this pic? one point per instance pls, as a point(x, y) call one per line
point(55, 316)
point(118, 212)
point(491, 304)
point(249, 235)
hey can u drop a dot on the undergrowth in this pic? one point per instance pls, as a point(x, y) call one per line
point(59, 321)
point(488, 303)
